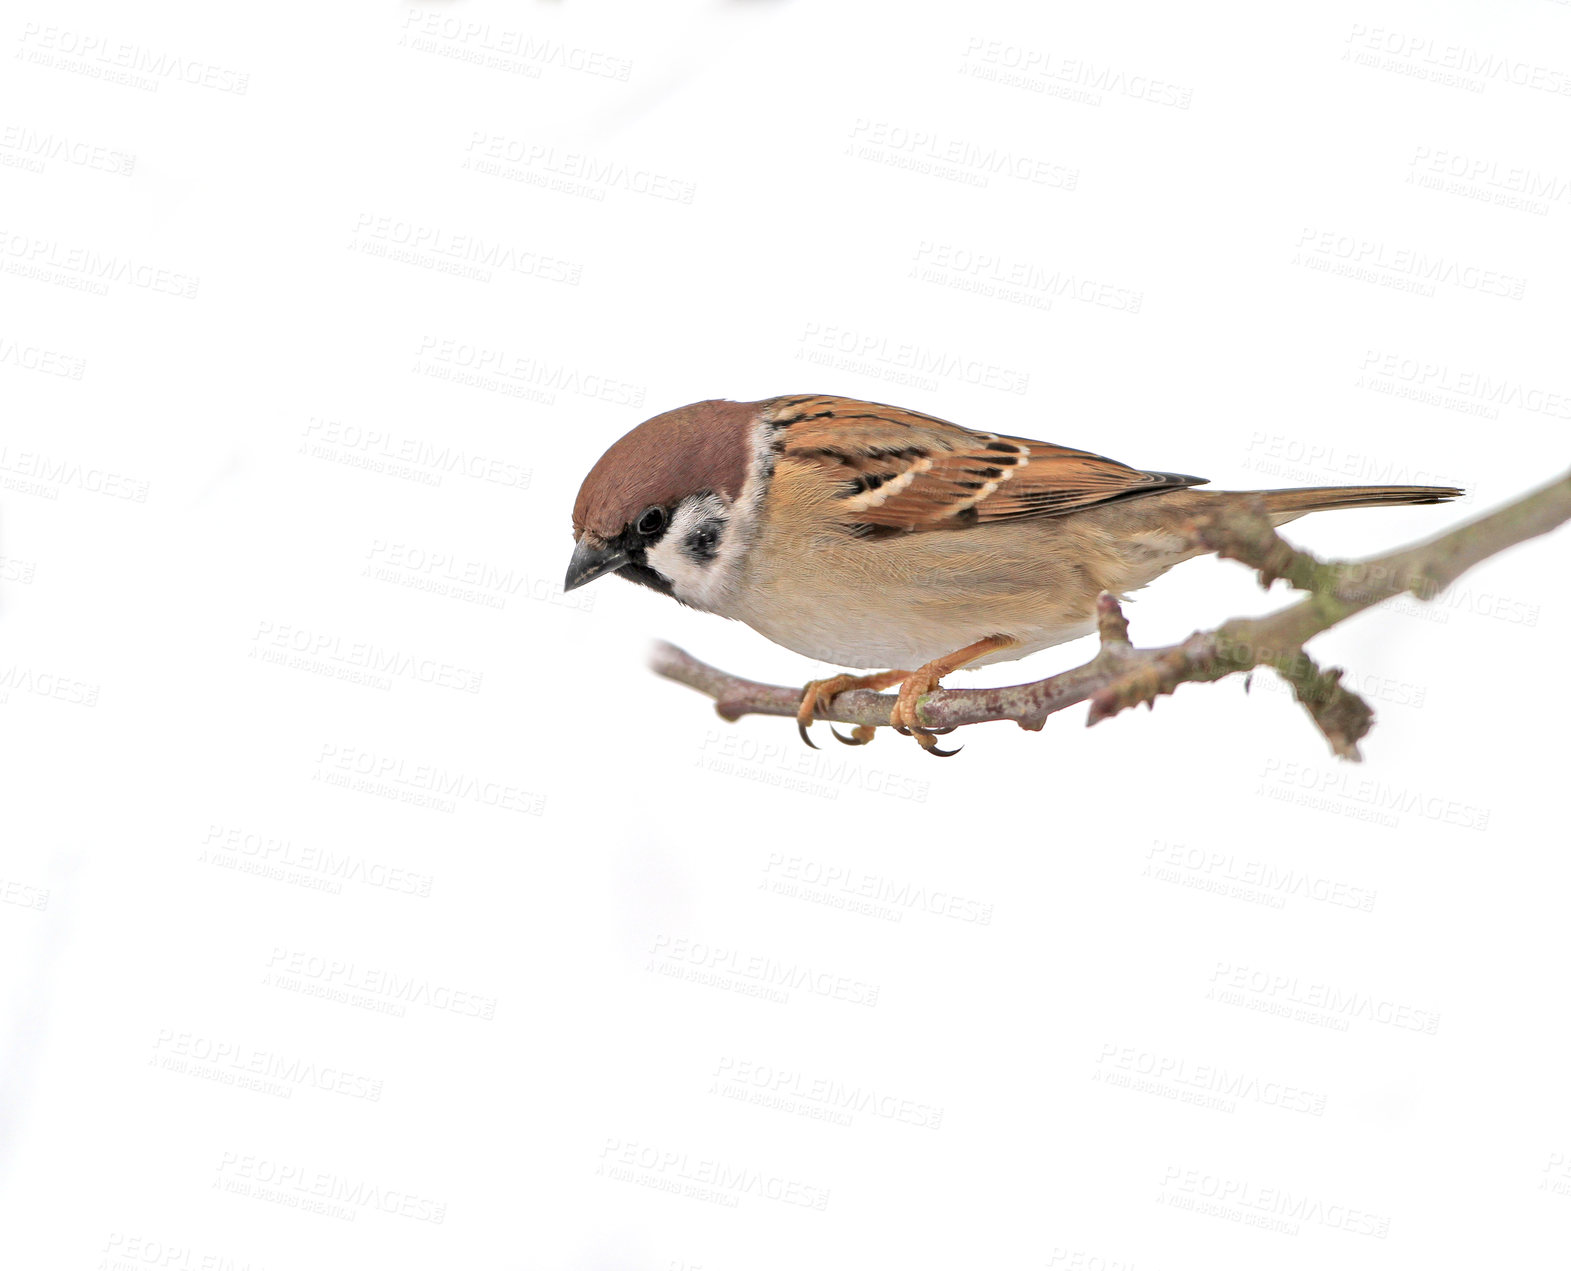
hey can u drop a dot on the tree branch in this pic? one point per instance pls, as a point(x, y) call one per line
point(1121, 676)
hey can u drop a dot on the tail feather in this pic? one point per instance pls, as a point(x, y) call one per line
point(1294, 503)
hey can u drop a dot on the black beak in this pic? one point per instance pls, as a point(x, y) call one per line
point(590, 560)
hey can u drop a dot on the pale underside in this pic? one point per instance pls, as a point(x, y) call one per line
point(908, 598)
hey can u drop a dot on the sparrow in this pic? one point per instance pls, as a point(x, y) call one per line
point(872, 536)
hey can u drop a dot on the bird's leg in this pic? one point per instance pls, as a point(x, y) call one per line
point(924, 680)
point(815, 691)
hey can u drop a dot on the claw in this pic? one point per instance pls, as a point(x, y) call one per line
point(860, 735)
point(804, 716)
point(932, 747)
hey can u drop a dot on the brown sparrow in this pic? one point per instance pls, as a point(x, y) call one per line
point(870, 536)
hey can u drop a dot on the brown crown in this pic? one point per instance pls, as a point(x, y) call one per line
point(705, 446)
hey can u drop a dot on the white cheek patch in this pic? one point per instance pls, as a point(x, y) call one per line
point(712, 585)
point(694, 579)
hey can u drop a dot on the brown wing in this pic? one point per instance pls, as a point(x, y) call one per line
point(905, 470)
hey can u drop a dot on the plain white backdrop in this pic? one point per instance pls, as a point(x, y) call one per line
point(365, 901)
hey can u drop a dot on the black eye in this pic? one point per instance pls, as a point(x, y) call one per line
point(651, 522)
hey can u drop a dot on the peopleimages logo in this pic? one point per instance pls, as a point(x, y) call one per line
point(1192, 1188)
point(289, 644)
point(496, 154)
point(1431, 58)
point(843, 880)
point(871, 353)
point(116, 61)
point(30, 357)
point(759, 975)
point(378, 772)
point(1432, 375)
point(1371, 259)
point(49, 259)
point(1221, 867)
point(527, 49)
point(290, 966)
point(627, 1161)
point(298, 1186)
point(818, 1098)
point(231, 1062)
point(1199, 1084)
point(34, 149)
point(1336, 790)
point(991, 274)
point(1231, 983)
point(517, 374)
point(1042, 69)
point(461, 248)
point(967, 161)
point(331, 867)
point(48, 473)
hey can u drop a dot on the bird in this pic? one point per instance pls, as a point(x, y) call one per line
point(867, 536)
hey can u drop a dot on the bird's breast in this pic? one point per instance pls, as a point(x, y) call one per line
point(903, 600)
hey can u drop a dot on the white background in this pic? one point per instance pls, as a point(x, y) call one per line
point(649, 990)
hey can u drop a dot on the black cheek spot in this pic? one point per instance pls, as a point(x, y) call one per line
point(703, 544)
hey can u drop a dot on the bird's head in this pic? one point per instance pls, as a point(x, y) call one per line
point(670, 504)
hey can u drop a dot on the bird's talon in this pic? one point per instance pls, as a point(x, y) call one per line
point(801, 730)
point(860, 735)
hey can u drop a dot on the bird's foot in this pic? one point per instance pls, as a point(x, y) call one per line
point(924, 680)
point(824, 691)
point(903, 718)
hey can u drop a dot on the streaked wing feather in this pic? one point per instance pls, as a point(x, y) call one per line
point(902, 469)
